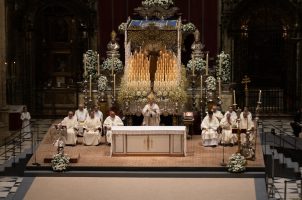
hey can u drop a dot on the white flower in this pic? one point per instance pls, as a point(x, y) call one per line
point(117, 64)
point(162, 3)
point(60, 162)
point(91, 62)
point(236, 163)
point(122, 27)
point(102, 83)
point(198, 63)
point(189, 27)
point(211, 83)
point(224, 60)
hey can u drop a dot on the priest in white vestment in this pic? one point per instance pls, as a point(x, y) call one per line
point(248, 124)
point(217, 113)
point(111, 120)
point(70, 124)
point(81, 114)
point(249, 114)
point(98, 113)
point(25, 117)
point(151, 112)
point(227, 124)
point(232, 112)
point(209, 128)
point(92, 126)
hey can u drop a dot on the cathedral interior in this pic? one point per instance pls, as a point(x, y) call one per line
point(56, 55)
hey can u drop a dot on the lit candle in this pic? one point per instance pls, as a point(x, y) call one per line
point(201, 87)
point(259, 97)
point(114, 85)
point(98, 63)
point(207, 64)
point(90, 85)
point(234, 94)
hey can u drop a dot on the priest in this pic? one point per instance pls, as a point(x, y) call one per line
point(69, 123)
point(245, 109)
point(232, 112)
point(111, 120)
point(227, 137)
point(81, 114)
point(151, 112)
point(209, 128)
point(92, 127)
point(217, 113)
point(247, 124)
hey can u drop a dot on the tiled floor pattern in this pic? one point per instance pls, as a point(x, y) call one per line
point(293, 189)
point(9, 185)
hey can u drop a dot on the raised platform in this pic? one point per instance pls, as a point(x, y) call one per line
point(95, 159)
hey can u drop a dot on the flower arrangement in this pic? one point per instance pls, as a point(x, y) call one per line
point(102, 83)
point(211, 83)
point(122, 27)
point(117, 64)
point(189, 27)
point(59, 162)
point(223, 67)
point(91, 62)
point(198, 63)
point(236, 163)
point(161, 3)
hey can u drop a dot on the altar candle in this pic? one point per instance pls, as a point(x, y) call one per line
point(90, 79)
point(259, 97)
point(114, 85)
point(234, 94)
point(98, 63)
point(220, 63)
point(201, 87)
point(207, 64)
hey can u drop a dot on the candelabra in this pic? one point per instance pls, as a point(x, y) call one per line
point(193, 85)
point(85, 91)
point(238, 129)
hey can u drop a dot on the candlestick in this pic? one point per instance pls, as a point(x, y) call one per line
point(114, 85)
point(234, 94)
point(207, 64)
point(220, 63)
point(90, 77)
point(193, 71)
point(219, 87)
point(201, 87)
point(259, 97)
point(112, 70)
point(85, 70)
point(98, 63)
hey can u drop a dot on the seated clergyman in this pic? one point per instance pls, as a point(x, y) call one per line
point(70, 124)
point(209, 128)
point(227, 137)
point(232, 112)
point(249, 114)
point(81, 114)
point(217, 113)
point(92, 126)
point(111, 120)
point(151, 112)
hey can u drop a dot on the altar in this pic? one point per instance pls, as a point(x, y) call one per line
point(148, 140)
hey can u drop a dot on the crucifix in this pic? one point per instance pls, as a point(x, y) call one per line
point(245, 81)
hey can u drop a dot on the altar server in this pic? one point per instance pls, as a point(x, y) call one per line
point(248, 124)
point(151, 112)
point(81, 115)
point(25, 117)
point(209, 128)
point(249, 114)
point(70, 124)
point(227, 137)
point(111, 120)
point(232, 112)
point(92, 126)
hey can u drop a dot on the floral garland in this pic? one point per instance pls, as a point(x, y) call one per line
point(91, 62)
point(211, 83)
point(102, 83)
point(59, 162)
point(225, 60)
point(189, 27)
point(117, 64)
point(236, 163)
point(161, 3)
point(198, 63)
point(122, 27)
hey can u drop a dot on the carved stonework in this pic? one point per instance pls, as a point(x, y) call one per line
point(156, 11)
point(113, 47)
point(197, 47)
